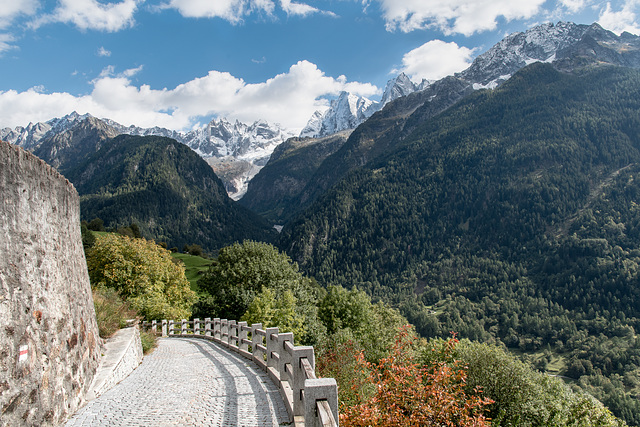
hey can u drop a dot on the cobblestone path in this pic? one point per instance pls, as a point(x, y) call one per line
point(188, 382)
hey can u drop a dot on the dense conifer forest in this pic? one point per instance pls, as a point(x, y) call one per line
point(165, 188)
point(512, 217)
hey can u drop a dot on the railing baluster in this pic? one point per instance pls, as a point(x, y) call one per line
point(243, 347)
point(207, 326)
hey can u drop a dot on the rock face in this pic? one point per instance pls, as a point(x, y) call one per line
point(49, 342)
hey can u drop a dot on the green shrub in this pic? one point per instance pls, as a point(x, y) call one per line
point(148, 341)
point(112, 312)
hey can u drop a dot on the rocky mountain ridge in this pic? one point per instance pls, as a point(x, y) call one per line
point(238, 151)
point(246, 147)
point(348, 110)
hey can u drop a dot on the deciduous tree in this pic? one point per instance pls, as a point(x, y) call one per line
point(143, 273)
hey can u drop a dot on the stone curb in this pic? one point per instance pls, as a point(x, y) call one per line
point(122, 354)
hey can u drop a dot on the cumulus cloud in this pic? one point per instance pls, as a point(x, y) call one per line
point(230, 10)
point(289, 99)
point(435, 59)
point(621, 20)
point(92, 15)
point(454, 16)
point(10, 9)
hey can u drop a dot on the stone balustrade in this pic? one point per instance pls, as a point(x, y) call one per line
point(291, 367)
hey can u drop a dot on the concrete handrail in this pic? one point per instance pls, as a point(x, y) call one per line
point(291, 367)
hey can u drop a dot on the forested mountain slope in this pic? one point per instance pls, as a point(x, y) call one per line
point(566, 45)
point(513, 216)
point(165, 188)
point(289, 170)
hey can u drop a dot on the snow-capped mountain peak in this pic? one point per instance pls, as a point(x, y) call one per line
point(345, 112)
point(400, 86)
point(251, 145)
point(564, 41)
point(28, 137)
point(349, 110)
point(517, 50)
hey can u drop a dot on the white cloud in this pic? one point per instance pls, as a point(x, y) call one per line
point(234, 11)
point(289, 99)
point(454, 16)
point(132, 71)
point(301, 9)
point(10, 9)
point(621, 20)
point(5, 42)
point(104, 52)
point(574, 6)
point(230, 10)
point(436, 59)
point(92, 15)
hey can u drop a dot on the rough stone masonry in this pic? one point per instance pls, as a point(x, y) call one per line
point(49, 343)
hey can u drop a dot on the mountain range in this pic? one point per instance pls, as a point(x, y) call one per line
point(566, 45)
point(246, 147)
point(236, 151)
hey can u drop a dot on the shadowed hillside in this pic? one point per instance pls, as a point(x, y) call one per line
point(165, 188)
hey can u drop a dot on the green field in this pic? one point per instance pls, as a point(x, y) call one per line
point(194, 266)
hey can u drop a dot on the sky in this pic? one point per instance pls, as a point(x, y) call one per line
point(179, 63)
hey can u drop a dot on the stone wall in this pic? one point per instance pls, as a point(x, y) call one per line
point(49, 343)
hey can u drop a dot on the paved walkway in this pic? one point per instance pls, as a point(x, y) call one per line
point(188, 382)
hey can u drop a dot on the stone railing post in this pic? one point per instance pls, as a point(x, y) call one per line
point(164, 328)
point(217, 331)
point(256, 339)
point(233, 334)
point(242, 336)
point(171, 331)
point(299, 375)
point(183, 329)
point(154, 327)
point(272, 347)
point(196, 326)
point(207, 326)
point(285, 357)
point(315, 391)
point(224, 330)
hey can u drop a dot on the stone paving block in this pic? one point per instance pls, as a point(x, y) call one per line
point(189, 382)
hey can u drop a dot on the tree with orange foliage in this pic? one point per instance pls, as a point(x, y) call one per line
point(410, 394)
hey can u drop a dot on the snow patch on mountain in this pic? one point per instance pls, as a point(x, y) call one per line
point(250, 145)
point(30, 136)
point(542, 43)
point(348, 111)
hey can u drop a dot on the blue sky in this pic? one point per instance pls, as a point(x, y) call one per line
point(178, 63)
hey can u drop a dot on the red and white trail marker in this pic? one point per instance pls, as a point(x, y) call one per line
point(24, 353)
